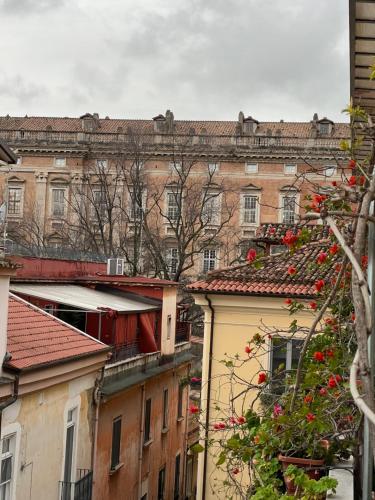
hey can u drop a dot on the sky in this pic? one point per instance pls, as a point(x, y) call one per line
point(203, 59)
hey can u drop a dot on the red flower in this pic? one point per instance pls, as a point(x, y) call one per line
point(323, 392)
point(352, 164)
point(310, 417)
point(334, 380)
point(251, 255)
point(328, 321)
point(308, 399)
point(362, 180)
point(330, 353)
point(313, 305)
point(290, 238)
point(352, 180)
point(319, 198)
point(288, 302)
point(219, 426)
point(292, 270)
point(322, 257)
point(195, 379)
point(334, 249)
point(248, 349)
point(353, 317)
point(334, 183)
point(262, 377)
point(236, 470)
point(364, 261)
point(241, 420)
point(193, 409)
point(338, 378)
point(318, 356)
point(349, 418)
point(272, 230)
point(338, 268)
point(319, 284)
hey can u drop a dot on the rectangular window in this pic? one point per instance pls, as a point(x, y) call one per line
point(58, 202)
point(99, 204)
point(285, 355)
point(250, 209)
point(290, 169)
point(324, 128)
point(70, 446)
point(165, 409)
point(211, 208)
point(172, 260)
point(175, 167)
point(180, 400)
point(169, 326)
point(251, 168)
point(116, 443)
point(147, 431)
point(60, 162)
point(189, 475)
point(136, 204)
point(289, 209)
point(176, 495)
point(173, 210)
point(329, 170)
point(8, 447)
point(209, 260)
point(14, 200)
point(102, 165)
point(161, 484)
point(213, 168)
point(19, 160)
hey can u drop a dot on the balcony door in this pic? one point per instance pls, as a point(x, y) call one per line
point(68, 484)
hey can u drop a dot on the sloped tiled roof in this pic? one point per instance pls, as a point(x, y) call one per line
point(36, 338)
point(201, 127)
point(273, 278)
point(274, 232)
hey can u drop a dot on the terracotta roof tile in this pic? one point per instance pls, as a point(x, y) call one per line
point(274, 232)
point(273, 278)
point(36, 338)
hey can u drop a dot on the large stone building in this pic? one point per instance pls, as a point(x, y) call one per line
point(184, 196)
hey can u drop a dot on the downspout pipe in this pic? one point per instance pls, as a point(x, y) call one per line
point(208, 392)
point(96, 399)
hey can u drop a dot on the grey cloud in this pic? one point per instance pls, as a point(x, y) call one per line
point(22, 7)
point(16, 88)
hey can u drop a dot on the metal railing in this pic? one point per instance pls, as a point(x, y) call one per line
point(80, 489)
point(182, 332)
point(124, 351)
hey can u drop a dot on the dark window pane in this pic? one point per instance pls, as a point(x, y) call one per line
point(177, 478)
point(161, 484)
point(116, 441)
point(6, 469)
point(69, 453)
point(180, 399)
point(147, 421)
point(165, 409)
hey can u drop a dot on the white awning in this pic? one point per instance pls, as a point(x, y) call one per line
point(82, 297)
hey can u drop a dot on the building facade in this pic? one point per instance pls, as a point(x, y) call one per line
point(191, 191)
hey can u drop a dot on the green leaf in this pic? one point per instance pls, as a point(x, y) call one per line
point(196, 448)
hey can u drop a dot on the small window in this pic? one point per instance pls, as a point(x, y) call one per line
point(169, 326)
point(137, 201)
point(175, 167)
point(102, 164)
point(290, 169)
point(172, 260)
point(289, 209)
point(19, 160)
point(251, 168)
point(14, 200)
point(173, 210)
point(177, 466)
point(209, 260)
point(324, 128)
point(58, 202)
point(99, 204)
point(211, 208)
point(180, 401)
point(49, 308)
point(161, 484)
point(250, 209)
point(165, 409)
point(8, 447)
point(60, 162)
point(285, 355)
point(329, 170)
point(213, 168)
point(147, 430)
point(116, 443)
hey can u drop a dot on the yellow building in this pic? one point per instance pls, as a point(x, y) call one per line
point(239, 302)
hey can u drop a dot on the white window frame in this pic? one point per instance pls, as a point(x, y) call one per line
point(54, 215)
point(59, 163)
point(93, 202)
point(324, 128)
point(172, 211)
point(10, 454)
point(101, 163)
point(284, 195)
point(329, 170)
point(290, 168)
point(211, 209)
point(73, 404)
point(251, 168)
point(12, 430)
point(209, 259)
point(136, 212)
point(172, 259)
point(175, 167)
point(19, 160)
point(21, 191)
point(244, 222)
point(213, 167)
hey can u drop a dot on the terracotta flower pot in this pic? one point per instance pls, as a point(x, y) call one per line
point(311, 468)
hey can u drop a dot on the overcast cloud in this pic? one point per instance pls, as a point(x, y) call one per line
point(203, 59)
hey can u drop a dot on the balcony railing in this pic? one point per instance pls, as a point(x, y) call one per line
point(125, 351)
point(80, 490)
point(182, 332)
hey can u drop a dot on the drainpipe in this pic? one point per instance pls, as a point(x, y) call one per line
point(186, 438)
point(141, 430)
point(10, 401)
point(96, 398)
point(208, 392)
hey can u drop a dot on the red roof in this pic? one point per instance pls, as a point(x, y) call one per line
point(36, 338)
point(273, 278)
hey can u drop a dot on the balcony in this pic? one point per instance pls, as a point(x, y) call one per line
point(128, 350)
point(80, 490)
point(182, 332)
